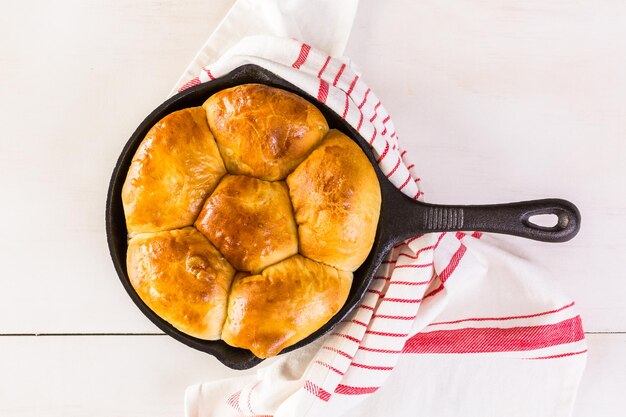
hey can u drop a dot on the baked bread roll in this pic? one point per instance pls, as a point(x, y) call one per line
point(269, 260)
point(182, 278)
point(174, 169)
point(262, 131)
point(283, 305)
point(250, 221)
point(336, 199)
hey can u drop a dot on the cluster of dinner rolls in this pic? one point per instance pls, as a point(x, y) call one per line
point(247, 217)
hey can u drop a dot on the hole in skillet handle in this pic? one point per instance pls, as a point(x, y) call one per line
point(553, 219)
point(116, 231)
point(545, 220)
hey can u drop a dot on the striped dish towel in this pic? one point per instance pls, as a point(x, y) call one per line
point(442, 308)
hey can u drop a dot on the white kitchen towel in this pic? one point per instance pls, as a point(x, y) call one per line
point(325, 24)
point(442, 309)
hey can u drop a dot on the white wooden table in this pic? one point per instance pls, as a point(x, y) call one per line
point(497, 100)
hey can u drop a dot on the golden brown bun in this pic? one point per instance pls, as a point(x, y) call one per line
point(182, 278)
point(283, 305)
point(174, 169)
point(336, 198)
point(262, 131)
point(250, 221)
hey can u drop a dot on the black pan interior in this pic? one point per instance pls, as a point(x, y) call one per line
point(116, 225)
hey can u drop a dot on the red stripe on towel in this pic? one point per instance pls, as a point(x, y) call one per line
point(410, 282)
point(352, 84)
point(368, 349)
point(414, 265)
point(373, 136)
point(208, 73)
point(190, 83)
point(233, 401)
point(316, 390)
point(386, 334)
point(337, 351)
point(375, 111)
point(395, 167)
point(494, 339)
point(365, 98)
point(408, 178)
point(350, 390)
point(404, 300)
point(385, 316)
point(382, 156)
point(322, 93)
point(562, 355)
point(372, 367)
point(360, 122)
point(304, 53)
point(332, 368)
point(319, 74)
point(346, 107)
point(347, 336)
point(454, 262)
point(526, 316)
point(338, 76)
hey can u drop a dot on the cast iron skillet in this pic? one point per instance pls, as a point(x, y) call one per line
point(400, 217)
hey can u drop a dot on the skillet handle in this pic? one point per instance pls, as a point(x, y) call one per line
point(510, 219)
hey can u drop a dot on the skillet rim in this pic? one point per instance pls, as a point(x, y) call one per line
point(116, 231)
